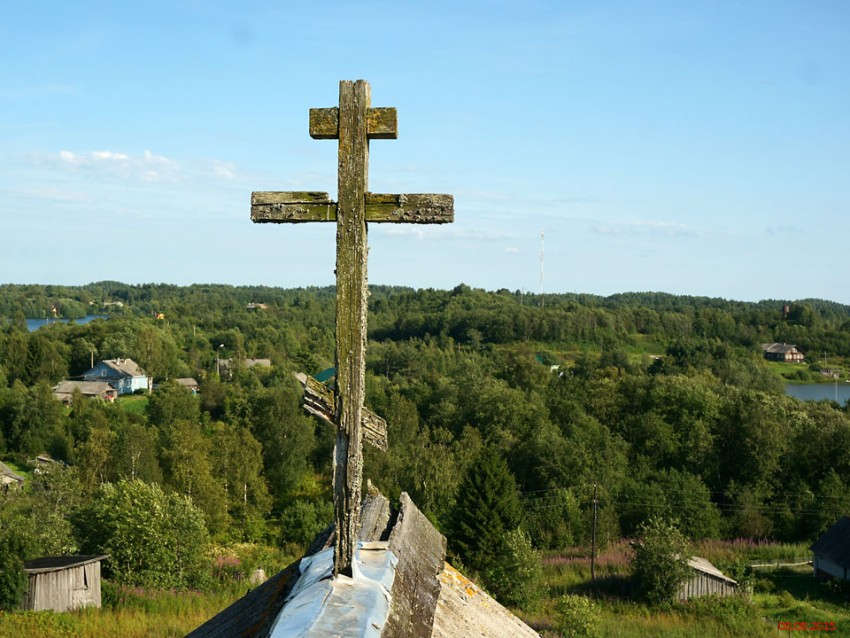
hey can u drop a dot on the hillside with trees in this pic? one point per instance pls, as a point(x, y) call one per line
point(504, 415)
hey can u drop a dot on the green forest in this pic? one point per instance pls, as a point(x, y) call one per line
point(506, 414)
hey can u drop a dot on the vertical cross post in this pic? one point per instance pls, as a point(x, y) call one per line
point(351, 300)
point(353, 123)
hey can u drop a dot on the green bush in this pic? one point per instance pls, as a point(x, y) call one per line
point(661, 561)
point(836, 589)
point(302, 521)
point(13, 580)
point(517, 579)
point(764, 586)
point(577, 617)
point(153, 539)
point(728, 608)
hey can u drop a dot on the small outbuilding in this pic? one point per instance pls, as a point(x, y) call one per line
point(189, 383)
point(64, 391)
point(63, 583)
point(831, 552)
point(706, 580)
point(9, 478)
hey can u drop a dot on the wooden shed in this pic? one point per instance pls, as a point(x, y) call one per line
point(63, 583)
point(9, 478)
point(706, 580)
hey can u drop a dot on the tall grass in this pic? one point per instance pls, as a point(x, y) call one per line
point(750, 551)
point(794, 595)
point(134, 614)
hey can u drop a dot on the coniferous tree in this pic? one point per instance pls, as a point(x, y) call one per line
point(488, 508)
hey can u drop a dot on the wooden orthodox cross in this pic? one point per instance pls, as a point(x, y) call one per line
point(353, 123)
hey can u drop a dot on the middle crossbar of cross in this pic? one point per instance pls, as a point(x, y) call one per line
point(353, 123)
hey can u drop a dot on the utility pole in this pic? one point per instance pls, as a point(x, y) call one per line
point(593, 538)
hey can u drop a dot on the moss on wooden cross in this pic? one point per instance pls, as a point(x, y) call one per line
point(354, 122)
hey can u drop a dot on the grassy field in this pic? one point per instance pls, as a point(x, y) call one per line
point(801, 373)
point(134, 403)
point(139, 614)
point(781, 594)
point(132, 612)
point(786, 594)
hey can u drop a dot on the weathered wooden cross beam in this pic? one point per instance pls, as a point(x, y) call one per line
point(319, 401)
point(353, 123)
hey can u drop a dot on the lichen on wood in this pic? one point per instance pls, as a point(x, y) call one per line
point(354, 122)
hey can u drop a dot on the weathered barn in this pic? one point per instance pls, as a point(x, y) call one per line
point(706, 580)
point(402, 588)
point(63, 583)
point(64, 390)
point(831, 552)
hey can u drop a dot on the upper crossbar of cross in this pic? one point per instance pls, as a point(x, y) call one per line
point(354, 122)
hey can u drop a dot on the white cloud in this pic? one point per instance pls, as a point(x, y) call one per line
point(656, 228)
point(67, 156)
point(223, 170)
point(440, 233)
point(146, 167)
point(513, 250)
point(109, 155)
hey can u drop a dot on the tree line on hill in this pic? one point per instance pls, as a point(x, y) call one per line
point(498, 411)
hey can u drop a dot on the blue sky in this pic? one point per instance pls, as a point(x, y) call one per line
point(694, 147)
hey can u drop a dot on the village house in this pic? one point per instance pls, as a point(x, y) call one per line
point(62, 583)
point(782, 352)
point(64, 391)
point(125, 375)
point(189, 383)
point(831, 552)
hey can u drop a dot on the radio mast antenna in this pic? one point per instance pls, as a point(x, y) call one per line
point(542, 299)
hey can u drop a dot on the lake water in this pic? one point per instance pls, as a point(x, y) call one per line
point(35, 324)
point(839, 392)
